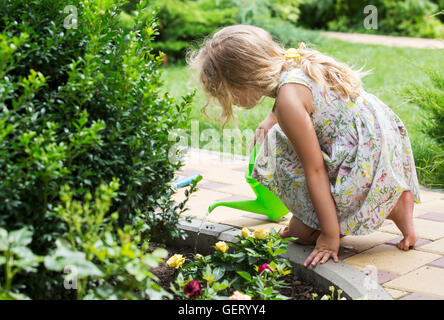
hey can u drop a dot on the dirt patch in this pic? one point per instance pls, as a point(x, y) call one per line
point(299, 290)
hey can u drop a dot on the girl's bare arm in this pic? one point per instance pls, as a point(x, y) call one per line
point(292, 104)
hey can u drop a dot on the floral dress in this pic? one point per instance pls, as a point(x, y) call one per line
point(367, 155)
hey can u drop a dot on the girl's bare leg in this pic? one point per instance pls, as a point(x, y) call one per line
point(303, 233)
point(402, 216)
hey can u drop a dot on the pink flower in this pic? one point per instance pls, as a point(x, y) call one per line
point(193, 288)
point(264, 267)
point(239, 296)
point(381, 179)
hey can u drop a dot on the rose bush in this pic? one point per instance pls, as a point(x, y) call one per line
point(236, 270)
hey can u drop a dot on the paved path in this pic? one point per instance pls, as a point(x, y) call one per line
point(386, 40)
point(414, 274)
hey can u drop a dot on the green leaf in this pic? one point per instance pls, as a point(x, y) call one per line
point(218, 273)
point(3, 239)
point(273, 265)
point(21, 237)
point(150, 260)
point(160, 253)
point(127, 251)
point(279, 251)
point(244, 275)
point(135, 269)
point(64, 257)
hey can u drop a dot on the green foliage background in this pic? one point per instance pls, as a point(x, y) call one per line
point(81, 107)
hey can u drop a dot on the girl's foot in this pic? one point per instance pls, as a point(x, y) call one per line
point(402, 216)
point(285, 233)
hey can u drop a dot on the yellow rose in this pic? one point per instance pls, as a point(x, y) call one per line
point(176, 261)
point(245, 232)
point(260, 234)
point(222, 246)
point(199, 256)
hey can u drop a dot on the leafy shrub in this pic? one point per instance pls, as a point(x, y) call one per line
point(253, 267)
point(182, 23)
point(80, 106)
point(185, 23)
point(440, 13)
point(107, 263)
point(284, 10)
point(16, 257)
point(100, 260)
point(429, 154)
point(407, 17)
point(278, 18)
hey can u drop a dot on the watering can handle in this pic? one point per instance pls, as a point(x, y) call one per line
point(252, 160)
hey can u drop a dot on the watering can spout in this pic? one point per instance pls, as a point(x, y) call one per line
point(246, 205)
point(266, 203)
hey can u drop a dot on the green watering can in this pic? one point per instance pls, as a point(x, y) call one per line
point(266, 203)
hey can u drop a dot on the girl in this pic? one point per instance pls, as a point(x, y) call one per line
point(343, 158)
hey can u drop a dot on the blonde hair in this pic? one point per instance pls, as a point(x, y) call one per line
point(241, 58)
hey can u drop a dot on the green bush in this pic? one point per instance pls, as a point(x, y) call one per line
point(407, 17)
point(277, 17)
point(81, 106)
point(99, 260)
point(429, 154)
point(182, 23)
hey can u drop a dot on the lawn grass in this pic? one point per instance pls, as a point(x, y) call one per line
point(394, 68)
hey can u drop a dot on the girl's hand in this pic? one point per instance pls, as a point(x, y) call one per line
point(262, 129)
point(326, 247)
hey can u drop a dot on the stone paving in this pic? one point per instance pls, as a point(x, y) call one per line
point(406, 275)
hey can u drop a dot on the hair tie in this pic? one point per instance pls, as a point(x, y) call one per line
point(292, 53)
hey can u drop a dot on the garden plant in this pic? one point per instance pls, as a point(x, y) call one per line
point(81, 110)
